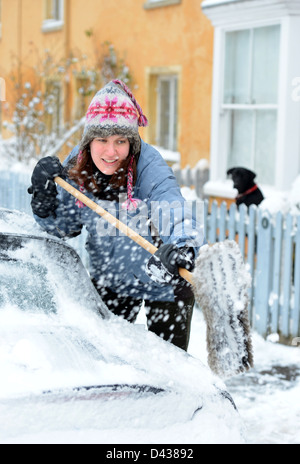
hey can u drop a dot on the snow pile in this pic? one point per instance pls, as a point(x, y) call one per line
point(284, 202)
point(222, 189)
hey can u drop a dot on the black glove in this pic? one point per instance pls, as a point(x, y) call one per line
point(44, 200)
point(163, 266)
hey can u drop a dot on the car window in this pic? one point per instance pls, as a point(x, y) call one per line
point(26, 286)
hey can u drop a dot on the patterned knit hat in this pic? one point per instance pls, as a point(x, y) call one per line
point(115, 111)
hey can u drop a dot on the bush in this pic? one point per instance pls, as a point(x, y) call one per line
point(37, 115)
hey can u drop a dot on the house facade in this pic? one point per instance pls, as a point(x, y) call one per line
point(218, 79)
point(166, 44)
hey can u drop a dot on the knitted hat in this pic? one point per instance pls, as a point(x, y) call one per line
point(115, 111)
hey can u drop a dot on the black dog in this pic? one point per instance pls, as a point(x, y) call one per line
point(243, 180)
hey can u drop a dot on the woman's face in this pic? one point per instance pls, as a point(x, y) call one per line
point(109, 153)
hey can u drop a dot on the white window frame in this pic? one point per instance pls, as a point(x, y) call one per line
point(231, 15)
point(254, 108)
point(52, 25)
point(173, 80)
point(150, 4)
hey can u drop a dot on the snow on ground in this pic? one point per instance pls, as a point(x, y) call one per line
point(268, 396)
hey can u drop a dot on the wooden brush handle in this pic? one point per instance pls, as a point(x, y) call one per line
point(184, 273)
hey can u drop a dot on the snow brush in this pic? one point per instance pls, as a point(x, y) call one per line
point(220, 283)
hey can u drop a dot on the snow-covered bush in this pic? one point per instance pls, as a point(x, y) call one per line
point(36, 117)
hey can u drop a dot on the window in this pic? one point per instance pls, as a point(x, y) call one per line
point(159, 3)
point(53, 10)
point(167, 110)
point(256, 60)
point(250, 99)
point(163, 84)
point(53, 16)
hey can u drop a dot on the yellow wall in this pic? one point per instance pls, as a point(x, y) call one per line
point(174, 37)
point(22, 32)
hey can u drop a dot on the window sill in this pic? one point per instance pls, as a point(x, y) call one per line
point(159, 4)
point(168, 155)
point(221, 189)
point(52, 25)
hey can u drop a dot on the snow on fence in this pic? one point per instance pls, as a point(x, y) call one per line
point(270, 245)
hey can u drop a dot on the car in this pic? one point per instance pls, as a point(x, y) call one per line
point(71, 370)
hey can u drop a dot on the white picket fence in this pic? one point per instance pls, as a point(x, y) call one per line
point(270, 245)
point(271, 248)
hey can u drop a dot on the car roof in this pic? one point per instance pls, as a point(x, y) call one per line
point(10, 241)
point(17, 228)
point(19, 223)
point(19, 231)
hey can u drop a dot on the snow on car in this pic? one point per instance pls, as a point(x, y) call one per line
point(69, 366)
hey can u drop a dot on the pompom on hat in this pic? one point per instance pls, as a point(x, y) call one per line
point(115, 111)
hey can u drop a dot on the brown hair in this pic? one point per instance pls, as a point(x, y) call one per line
point(83, 172)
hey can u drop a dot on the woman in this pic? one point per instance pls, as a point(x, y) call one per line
point(112, 162)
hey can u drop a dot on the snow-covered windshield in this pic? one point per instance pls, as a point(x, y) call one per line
point(37, 274)
point(26, 286)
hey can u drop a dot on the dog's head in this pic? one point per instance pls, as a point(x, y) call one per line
point(243, 178)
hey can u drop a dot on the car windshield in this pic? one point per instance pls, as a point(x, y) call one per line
point(26, 286)
point(36, 273)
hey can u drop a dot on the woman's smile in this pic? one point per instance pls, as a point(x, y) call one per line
point(110, 161)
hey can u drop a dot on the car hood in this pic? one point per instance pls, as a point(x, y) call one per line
point(75, 370)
